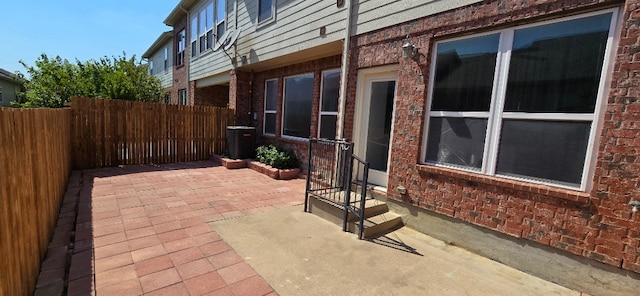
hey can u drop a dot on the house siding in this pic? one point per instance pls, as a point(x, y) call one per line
point(9, 92)
point(372, 15)
point(164, 75)
point(296, 27)
point(597, 224)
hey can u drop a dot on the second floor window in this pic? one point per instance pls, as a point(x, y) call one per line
point(265, 10)
point(221, 15)
point(151, 67)
point(166, 58)
point(181, 46)
point(194, 36)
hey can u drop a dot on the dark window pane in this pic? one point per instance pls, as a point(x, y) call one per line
point(556, 67)
point(209, 39)
point(203, 43)
point(330, 91)
point(220, 31)
point(546, 150)
point(264, 10)
point(297, 106)
point(380, 120)
point(194, 49)
point(270, 123)
point(328, 126)
point(271, 94)
point(456, 141)
point(464, 74)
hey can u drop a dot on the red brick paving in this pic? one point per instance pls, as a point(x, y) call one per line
point(142, 230)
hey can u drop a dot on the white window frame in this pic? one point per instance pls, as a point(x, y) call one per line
point(166, 58)
point(284, 96)
point(181, 47)
point(151, 66)
point(495, 115)
point(194, 36)
point(218, 22)
point(320, 112)
point(182, 97)
point(269, 20)
point(274, 111)
point(203, 32)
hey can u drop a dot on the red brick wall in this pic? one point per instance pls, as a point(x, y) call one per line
point(180, 77)
point(214, 95)
point(240, 96)
point(596, 224)
point(316, 67)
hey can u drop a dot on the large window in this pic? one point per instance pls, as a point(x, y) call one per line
point(520, 102)
point(298, 97)
point(270, 106)
point(180, 49)
point(329, 104)
point(266, 11)
point(207, 26)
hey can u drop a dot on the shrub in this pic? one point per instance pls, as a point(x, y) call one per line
point(276, 157)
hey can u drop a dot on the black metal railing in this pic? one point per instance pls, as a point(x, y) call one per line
point(337, 176)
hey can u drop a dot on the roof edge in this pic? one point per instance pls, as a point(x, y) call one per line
point(179, 11)
point(162, 40)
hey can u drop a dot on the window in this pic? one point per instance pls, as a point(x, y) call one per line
point(296, 115)
point(266, 10)
point(166, 58)
point(270, 106)
point(194, 36)
point(329, 104)
point(521, 102)
point(182, 97)
point(206, 27)
point(221, 15)
point(167, 98)
point(181, 46)
point(150, 67)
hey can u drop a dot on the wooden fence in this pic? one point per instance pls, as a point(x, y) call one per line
point(35, 162)
point(39, 148)
point(111, 132)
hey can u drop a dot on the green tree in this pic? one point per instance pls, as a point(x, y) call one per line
point(53, 81)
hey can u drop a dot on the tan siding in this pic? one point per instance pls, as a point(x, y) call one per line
point(377, 14)
point(164, 75)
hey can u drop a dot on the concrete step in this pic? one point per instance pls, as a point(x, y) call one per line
point(382, 224)
point(372, 208)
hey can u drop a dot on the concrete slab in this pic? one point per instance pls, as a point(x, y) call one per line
point(301, 254)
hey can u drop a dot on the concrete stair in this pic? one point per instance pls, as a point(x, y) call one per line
point(379, 221)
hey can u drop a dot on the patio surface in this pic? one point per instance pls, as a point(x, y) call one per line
point(199, 229)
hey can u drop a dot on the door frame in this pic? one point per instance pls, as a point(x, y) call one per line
point(363, 101)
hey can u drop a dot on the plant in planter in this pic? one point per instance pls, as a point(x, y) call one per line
point(284, 161)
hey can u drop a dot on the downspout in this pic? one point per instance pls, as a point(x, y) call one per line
point(345, 67)
point(187, 65)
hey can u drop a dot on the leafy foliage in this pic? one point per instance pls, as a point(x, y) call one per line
point(277, 157)
point(53, 81)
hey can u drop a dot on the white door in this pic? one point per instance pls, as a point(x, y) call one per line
point(374, 120)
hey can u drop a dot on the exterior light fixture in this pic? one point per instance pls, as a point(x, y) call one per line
point(409, 50)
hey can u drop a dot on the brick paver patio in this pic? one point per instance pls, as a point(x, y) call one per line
point(142, 230)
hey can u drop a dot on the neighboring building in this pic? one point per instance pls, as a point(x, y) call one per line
point(160, 64)
point(513, 125)
point(10, 88)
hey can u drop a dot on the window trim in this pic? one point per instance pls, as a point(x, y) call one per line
point(495, 116)
point(271, 19)
point(274, 111)
point(320, 112)
point(183, 100)
point(219, 22)
point(166, 58)
point(284, 95)
point(181, 48)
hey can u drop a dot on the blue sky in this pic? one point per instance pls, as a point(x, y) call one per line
point(82, 29)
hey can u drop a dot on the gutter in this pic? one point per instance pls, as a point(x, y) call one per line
point(345, 67)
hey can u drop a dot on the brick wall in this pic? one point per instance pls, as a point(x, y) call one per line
point(596, 224)
point(316, 67)
point(180, 77)
point(240, 96)
point(214, 95)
